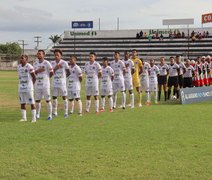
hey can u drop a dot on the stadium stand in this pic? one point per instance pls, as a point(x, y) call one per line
point(147, 49)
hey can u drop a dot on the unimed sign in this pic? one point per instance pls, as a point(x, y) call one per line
point(206, 18)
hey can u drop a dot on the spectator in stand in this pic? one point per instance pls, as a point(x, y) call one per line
point(150, 37)
point(137, 36)
point(145, 35)
point(156, 35)
point(161, 37)
point(207, 34)
point(141, 34)
point(192, 34)
point(193, 38)
point(188, 74)
point(183, 35)
point(170, 35)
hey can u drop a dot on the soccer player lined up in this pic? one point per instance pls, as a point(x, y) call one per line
point(44, 72)
point(153, 79)
point(26, 76)
point(181, 72)
point(61, 71)
point(106, 88)
point(188, 74)
point(118, 82)
point(93, 71)
point(144, 80)
point(135, 76)
point(130, 69)
point(173, 77)
point(74, 84)
point(162, 78)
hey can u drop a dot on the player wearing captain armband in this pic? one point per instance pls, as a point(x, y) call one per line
point(118, 82)
point(106, 88)
point(74, 84)
point(93, 73)
point(26, 76)
point(61, 70)
point(43, 71)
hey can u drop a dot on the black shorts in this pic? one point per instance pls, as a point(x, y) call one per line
point(173, 81)
point(187, 82)
point(180, 80)
point(162, 80)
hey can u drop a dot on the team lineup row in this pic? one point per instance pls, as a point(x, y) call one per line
point(115, 76)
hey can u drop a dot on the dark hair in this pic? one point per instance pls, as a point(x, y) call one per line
point(134, 50)
point(41, 50)
point(117, 52)
point(74, 56)
point(105, 59)
point(24, 56)
point(171, 57)
point(92, 53)
point(177, 56)
point(126, 51)
point(59, 51)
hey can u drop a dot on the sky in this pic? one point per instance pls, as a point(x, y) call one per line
point(25, 19)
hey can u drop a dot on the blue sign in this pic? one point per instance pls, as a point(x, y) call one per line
point(196, 94)
point(82, 24)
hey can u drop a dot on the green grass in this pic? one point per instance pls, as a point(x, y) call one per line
point(167, 141)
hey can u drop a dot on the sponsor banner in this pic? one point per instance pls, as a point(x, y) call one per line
point(196, 94)
point(206, 18)
point(81, 24)
point(83, 33)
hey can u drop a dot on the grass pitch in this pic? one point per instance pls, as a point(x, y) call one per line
point(165, 141)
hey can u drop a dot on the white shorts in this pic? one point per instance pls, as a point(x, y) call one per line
point(128, 84)
point(92, 91)
point(144, 86)
point(118, 86)
point(59, 91)
point(153, 87)
point(26, 97)
point(106, 92)
point(74, 94)
point(42, 94)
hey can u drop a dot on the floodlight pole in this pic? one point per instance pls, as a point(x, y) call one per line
point(37, 41)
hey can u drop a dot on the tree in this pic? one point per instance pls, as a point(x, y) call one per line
point(10, 49)
point(54, 38)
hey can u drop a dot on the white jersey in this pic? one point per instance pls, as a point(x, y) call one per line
point(173, 70)
point(91, 72)
point(163, 69)
point(25, 83)
point(118, 68)
point(73, 82)
point(59, 77)
point(107, 74)
point(181, 68)
point(144, 76)
point(129, 64)
point(153, 74)
point(189, 71)
point(42, 78)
